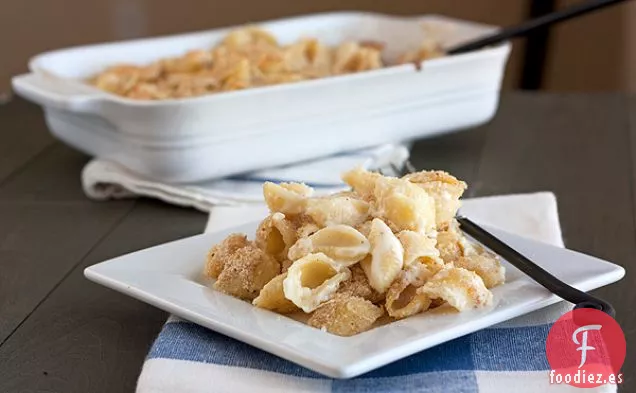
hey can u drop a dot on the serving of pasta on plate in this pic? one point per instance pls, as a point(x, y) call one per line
point(389, 248)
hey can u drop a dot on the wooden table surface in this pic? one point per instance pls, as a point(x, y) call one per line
point(61, 333)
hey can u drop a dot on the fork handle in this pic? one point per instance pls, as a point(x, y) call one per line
point(534, 271)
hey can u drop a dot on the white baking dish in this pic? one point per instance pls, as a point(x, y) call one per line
point(223, 134)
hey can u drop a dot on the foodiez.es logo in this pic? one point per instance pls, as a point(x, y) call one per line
point(585, 348)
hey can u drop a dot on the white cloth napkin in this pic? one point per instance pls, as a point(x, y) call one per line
point(103, 179)
point(532, 215)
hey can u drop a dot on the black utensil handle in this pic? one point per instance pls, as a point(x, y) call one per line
point(537, 23)
point(538, 274)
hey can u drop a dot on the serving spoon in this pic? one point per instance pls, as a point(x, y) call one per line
point(531, 25)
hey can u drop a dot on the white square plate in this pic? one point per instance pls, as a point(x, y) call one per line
point(169, 277)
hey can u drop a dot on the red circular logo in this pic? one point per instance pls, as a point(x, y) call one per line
point(585, 348)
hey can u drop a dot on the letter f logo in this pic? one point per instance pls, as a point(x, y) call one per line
point(584, 347)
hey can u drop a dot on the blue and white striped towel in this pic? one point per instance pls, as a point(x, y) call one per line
point(509, 357)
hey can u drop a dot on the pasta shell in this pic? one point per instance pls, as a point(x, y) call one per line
point(404, 205)
point(345, 315)
point(294, 57)
point(286, 198)
point(402, 298)
point(313, 280)
point(362, 181)
point(461, 288)
point(352, 57)
point(275, 235)
point(272, 297)
point(386, 259)
point(456, 248)
point(220, 253)
point(445, 190)
point(449, 243)
point(420, 249)
point(339, 210)
point(246, 272)
point(250, 35)
point(487, 266)
point(341, 243)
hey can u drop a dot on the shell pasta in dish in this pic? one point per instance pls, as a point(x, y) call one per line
point(247, 57)
point(389, 247)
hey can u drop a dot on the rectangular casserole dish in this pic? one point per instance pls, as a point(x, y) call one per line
point(217, 135)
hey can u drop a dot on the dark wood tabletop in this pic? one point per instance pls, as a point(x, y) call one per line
point(61, 333)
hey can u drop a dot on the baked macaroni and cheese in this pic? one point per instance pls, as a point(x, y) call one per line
point(248, 57)
point(390, 246)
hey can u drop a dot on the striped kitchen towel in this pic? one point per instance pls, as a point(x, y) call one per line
point(509, 357)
